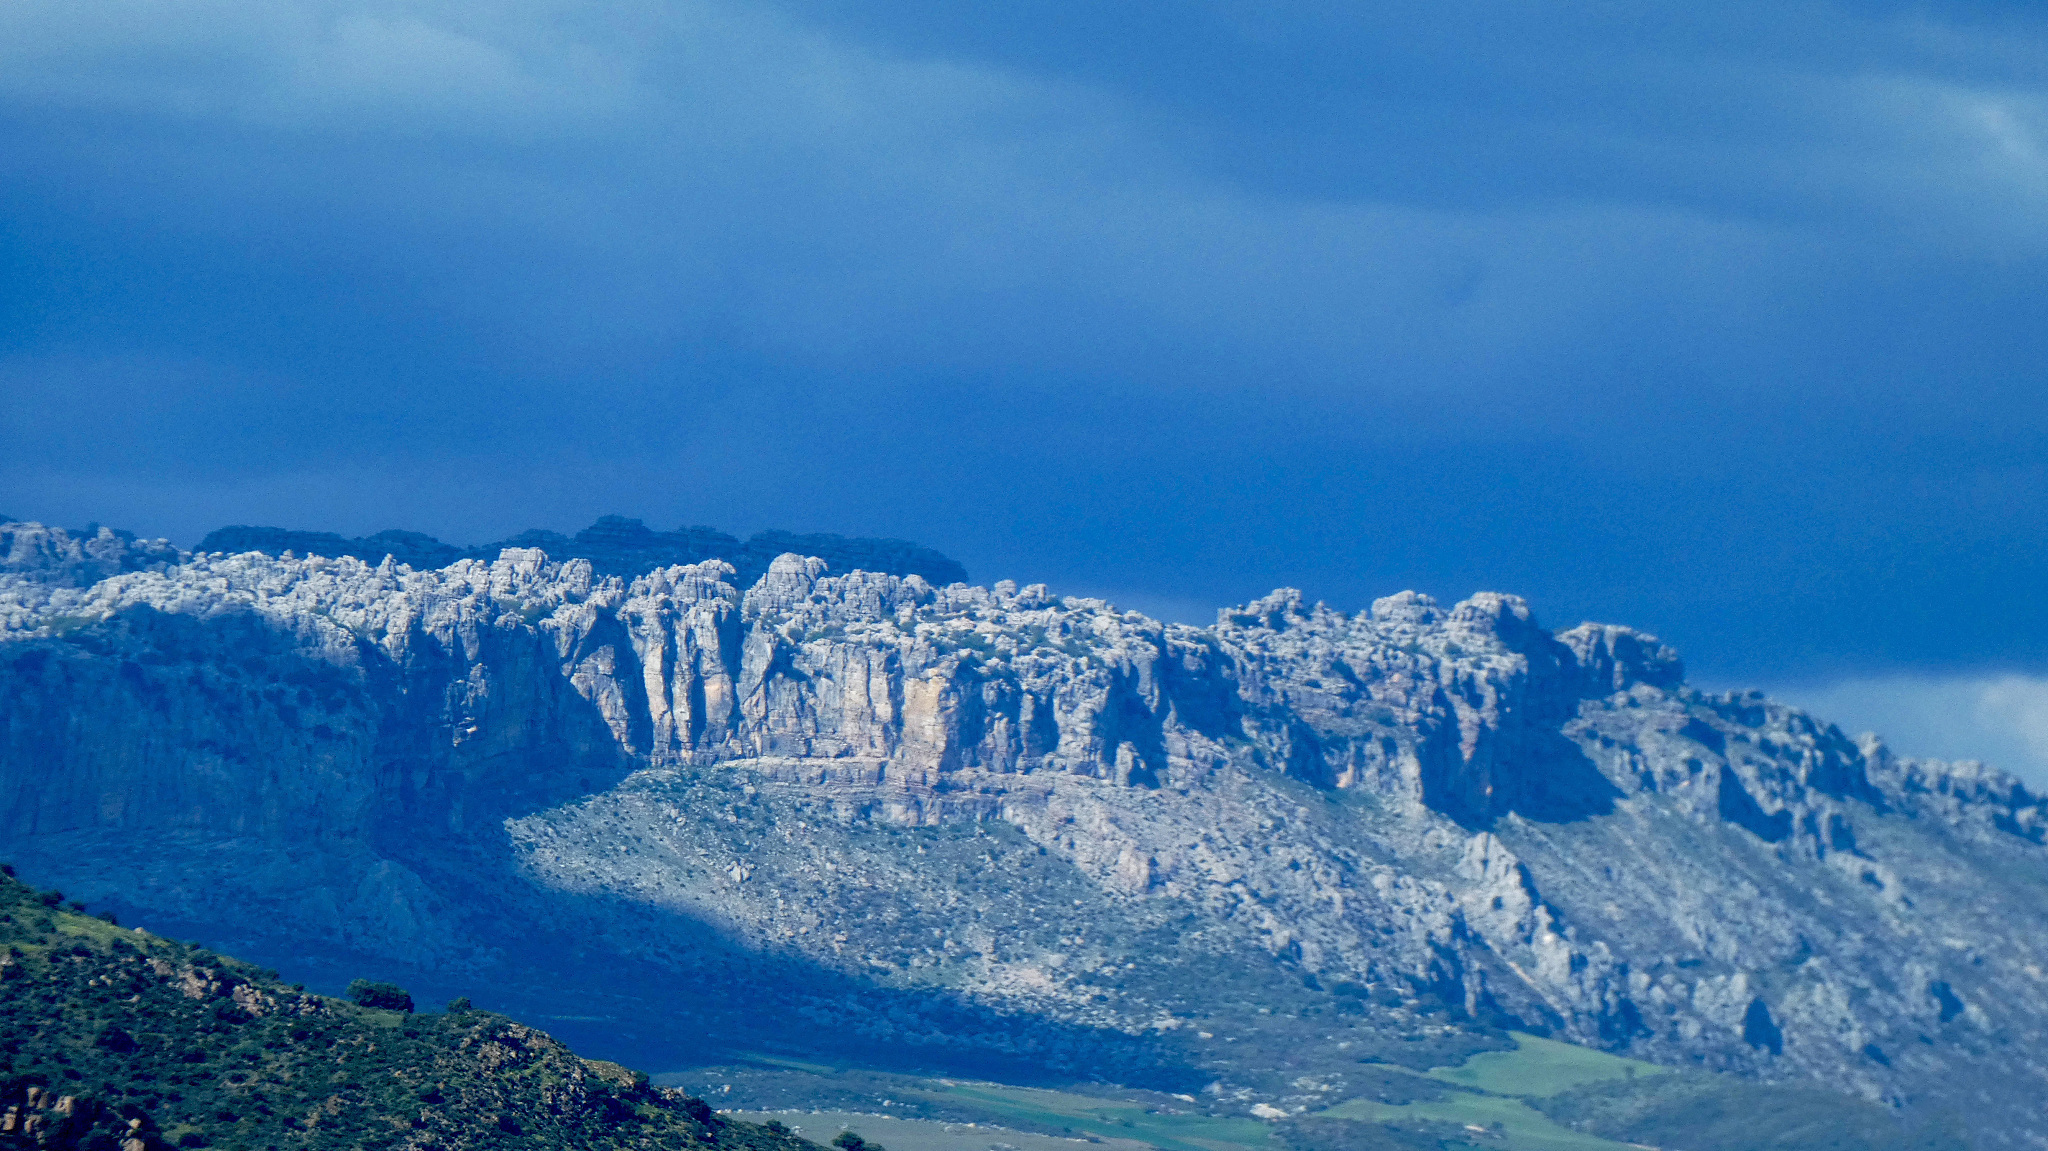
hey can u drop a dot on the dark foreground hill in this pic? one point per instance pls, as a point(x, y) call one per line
point(112, 1038)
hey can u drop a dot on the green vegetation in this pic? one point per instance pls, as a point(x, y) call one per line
point(382, 996)
point(1542, 1095)
point(1106, 1118)
point(1319, 1133)
point(1492, 1106)
point(1496, 1120)
point(115, 1040)
point(1541, 1067)
point(1718, 1113)
point(938, 1135)
point(1548, 1095)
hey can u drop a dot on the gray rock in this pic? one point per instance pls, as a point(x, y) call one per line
point(1037, 804)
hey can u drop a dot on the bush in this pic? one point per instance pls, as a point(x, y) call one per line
point(382, 996)
point(458, 1005)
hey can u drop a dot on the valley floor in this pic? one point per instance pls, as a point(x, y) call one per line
point(1481, 1103)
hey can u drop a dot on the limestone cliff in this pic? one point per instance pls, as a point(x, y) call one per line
point(1261, 848)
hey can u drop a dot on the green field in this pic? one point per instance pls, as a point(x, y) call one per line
point(928, 1135)
point(1109, 1119)
point(1487, 1087)
point(1508, 1123)
point(1541, 1068)
point(1482, 1101)
point(1499, 1099)
point(1494, 1084)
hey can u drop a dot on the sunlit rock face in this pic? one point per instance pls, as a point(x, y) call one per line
point(1298, 833)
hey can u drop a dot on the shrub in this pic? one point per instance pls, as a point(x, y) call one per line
point(382, 996)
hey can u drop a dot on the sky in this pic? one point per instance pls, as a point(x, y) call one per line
point(1722, 320)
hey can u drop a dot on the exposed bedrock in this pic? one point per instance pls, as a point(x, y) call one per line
point(1037, 804)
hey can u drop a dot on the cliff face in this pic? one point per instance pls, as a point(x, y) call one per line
point(1262, 848)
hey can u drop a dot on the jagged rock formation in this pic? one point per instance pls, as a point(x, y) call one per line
point(54, 557)
point(614, 545)
point(1262, 848)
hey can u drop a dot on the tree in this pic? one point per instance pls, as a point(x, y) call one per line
point(382, 996)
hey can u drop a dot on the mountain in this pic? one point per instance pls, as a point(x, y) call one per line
point(121, 1039)
point(993, 828)
point(113, 1038)
point(614, 545)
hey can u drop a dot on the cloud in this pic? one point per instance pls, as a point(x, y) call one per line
point(523, 70)
point(828, 197)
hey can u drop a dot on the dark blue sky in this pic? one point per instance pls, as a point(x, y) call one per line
point(1723, 320)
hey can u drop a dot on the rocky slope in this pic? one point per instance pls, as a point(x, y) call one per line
point(112, 1038)
point(960, 823)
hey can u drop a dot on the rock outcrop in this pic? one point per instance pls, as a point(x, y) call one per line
point(1264, 847)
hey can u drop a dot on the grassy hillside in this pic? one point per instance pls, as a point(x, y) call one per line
point(119, 1040)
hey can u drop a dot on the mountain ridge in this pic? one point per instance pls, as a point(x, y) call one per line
point(615, 545)
point(1391, 830)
